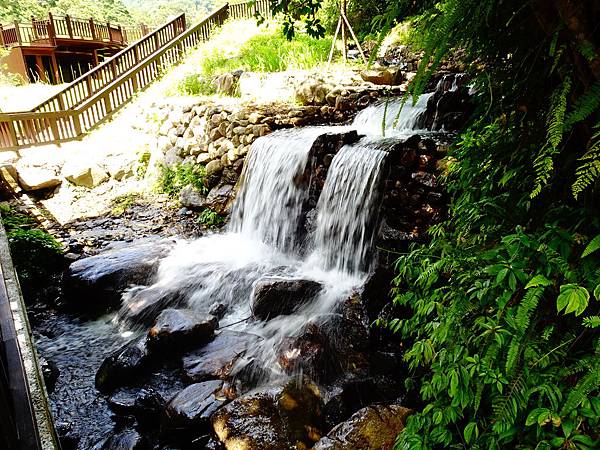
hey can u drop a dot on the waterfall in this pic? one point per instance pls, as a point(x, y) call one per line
point(348, 208)
point(274, 188)
point(392, 117)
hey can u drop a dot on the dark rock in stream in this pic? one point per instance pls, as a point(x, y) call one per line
point(372, 428)
point(143, 305)
point(177, 329)
point(217, 358)
point(145, 404)
point(99, 280)
point(274, 296)
point(123, 366)
point(50, 373)
point(274, 418)
point(190, 410)
point(124, 440)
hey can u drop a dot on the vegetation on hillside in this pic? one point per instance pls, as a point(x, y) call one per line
point(240, 45)
point(499, 313)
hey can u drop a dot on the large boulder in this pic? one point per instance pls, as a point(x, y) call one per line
point(103, 277)
point(176, 329)
point(220, 198)
point(190, 197)
point(274, 296)
point(372, 428)
point(145, 404)
point(123, 366)
point(218, 357)
point(275, 418)
point(391, 76)
point(191, 409)
point(86, 174)
point(36, 178)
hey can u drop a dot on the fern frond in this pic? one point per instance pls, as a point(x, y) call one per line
point(588, 384)
point(589, 170)
point(592, 322)
point(591, 247)
point(544, 162)
point(584, 106)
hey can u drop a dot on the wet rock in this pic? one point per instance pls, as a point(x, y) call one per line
point(349, 395)
point(145, 404)
point(219, 198)
point(191, 197)
point(143, 305)
point(217, 358)
point(123, 366)
point(67, 436)
point(218, 310)
point(36, 178)
point(180, 328)
point(191, 409)
point(276, 418)
point(274, 296)
point(372, 428)
point(425, 178)
point(50, 373)
point(124, 440)
point(101, 278)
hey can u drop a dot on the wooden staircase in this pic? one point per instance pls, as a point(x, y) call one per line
point(96, 95)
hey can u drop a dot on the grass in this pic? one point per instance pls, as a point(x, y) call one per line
point(172, 181)
point(264, 51)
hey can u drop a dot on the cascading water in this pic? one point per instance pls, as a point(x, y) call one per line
point(274, 188)
point(349, 207)
point(394, 117)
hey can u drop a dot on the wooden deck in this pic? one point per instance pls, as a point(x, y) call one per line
point(46, 32)
point(96, 95)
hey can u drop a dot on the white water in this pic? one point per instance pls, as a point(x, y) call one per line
point(348, 208)
point(263, 239)
point(392, 117)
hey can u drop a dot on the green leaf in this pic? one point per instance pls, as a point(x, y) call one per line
point(471, 429)
point(572, 298)
point(533, 415)
point(591, 247)
point(538, 280)
point(597, 292)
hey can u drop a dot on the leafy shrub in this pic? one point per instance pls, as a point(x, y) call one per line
point(34, 252)
point(210, 218)
point(122, 203)
point(172, 181)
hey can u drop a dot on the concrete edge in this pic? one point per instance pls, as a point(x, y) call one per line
point(38, 395)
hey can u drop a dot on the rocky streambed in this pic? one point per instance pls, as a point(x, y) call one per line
point(259, 336)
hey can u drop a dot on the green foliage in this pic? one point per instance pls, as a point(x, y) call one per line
point(172, 181)
point(123, 203)
point(210, 219)
point(268, 51)
point(101, 10)
point(34, 252)
point(496, 330)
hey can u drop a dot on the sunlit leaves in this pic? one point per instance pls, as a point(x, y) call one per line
point(572, 298)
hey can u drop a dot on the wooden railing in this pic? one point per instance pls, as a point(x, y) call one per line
point(102, 75)
point(246, 9)
point(45, 32)
point(92, 98)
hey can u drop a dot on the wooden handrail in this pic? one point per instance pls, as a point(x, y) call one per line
point(100, 76)
point(36, 127)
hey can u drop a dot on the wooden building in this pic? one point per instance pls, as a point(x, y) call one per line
point(60, 49)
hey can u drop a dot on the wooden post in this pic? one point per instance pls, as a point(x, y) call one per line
point(51, 29)
point(95, 57)
point(40, 68)
point(92, 29)
point(55, 69)
point(35, 34)
point(69, 26)
point(344, 34)
point(1, 36)
point(108, 31)
point(121, 33)
point(18, 33)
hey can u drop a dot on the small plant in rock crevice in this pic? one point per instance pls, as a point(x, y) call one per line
point(210, 219)
point(123, 203)
point(172, 180)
